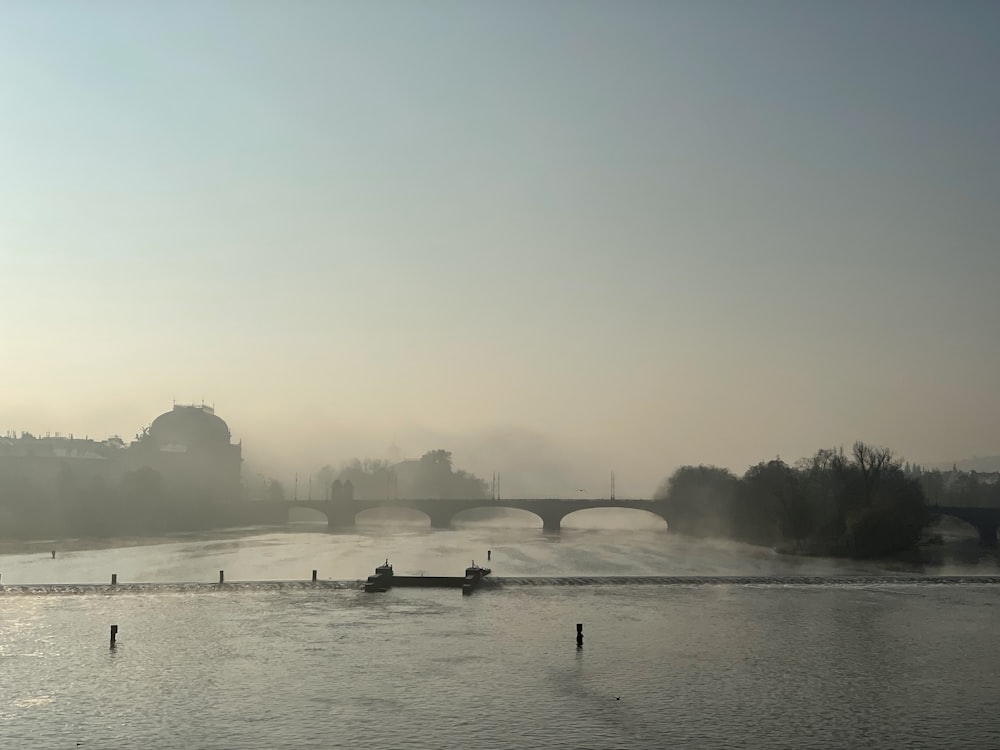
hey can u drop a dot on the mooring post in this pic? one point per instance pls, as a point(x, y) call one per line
point(222, 576)
point(114, 582)
point(489, 554)
point(579, 635)
point(314, 576)
point(114, 635)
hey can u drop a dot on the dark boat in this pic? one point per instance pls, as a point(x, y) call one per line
point(477, 570)
point(379, 582)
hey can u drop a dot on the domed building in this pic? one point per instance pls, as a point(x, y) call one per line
point(189, 428)
point(180, 473)
point(192, 445)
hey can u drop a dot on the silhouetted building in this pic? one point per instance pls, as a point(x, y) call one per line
point(188, 446)
point(48, 465)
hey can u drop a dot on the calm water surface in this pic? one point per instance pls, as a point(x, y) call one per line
point(327, 666)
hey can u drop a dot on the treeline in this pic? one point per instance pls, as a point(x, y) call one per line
point(861, 504)
point(431, 477)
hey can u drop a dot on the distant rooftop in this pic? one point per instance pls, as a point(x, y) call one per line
point(202, 406)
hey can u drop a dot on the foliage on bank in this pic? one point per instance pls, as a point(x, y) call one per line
point(861, 504)
point(432, 476)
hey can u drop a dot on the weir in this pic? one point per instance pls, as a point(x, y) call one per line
point(762, 582)
point(384, 578)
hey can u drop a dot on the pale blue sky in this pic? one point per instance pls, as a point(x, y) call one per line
point(652, 232)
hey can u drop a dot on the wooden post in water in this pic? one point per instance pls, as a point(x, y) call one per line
point(314, 576)
point(114, 635)
point(114, 582)
point(489, 554)
point(579, 635)
point(222, 576)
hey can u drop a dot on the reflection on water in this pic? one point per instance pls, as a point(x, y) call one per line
point(292, 553)
point(683, 666)
point(754, 651)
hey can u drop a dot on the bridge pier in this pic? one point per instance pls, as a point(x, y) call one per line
point(986, 520)
point(551, 524)
point(987, 534)
point(339, 520)
point(440, 522)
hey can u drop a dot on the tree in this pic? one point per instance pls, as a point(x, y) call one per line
point(275, 491)
point(440, 459)
point(774, 505)
point(435, 478)
point(863, 505)
point(932, 483)
point(894, 522)
point(370, 478)
point(873, 462)
point(699, 500)
point(325, 477)
point(430, 477)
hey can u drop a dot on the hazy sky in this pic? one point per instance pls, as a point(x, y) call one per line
point(613, 235)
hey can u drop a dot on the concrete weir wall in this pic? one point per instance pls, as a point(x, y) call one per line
point(438, 582)
point(384, 579)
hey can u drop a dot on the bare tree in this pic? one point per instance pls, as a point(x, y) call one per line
point(874, 463)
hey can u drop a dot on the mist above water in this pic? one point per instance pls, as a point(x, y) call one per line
point(605, 548)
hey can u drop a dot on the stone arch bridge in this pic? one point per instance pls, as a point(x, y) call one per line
point(985, 519)
point(342, 513)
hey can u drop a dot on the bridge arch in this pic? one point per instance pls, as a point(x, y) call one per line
point(614, 518)
point(551, 511)
point(956, 524)
point(486, 513)
point(985, 520)
point(394, 513)
point(303, 514)
point(347, 514)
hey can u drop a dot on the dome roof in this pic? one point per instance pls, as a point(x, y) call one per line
point(190, 426)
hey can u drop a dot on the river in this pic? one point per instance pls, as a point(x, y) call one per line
point(270, 660)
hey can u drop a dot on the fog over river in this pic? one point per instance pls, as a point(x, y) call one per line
point(297, 665)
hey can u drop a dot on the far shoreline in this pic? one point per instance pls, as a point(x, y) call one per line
point(940, 551)
point(11, 546)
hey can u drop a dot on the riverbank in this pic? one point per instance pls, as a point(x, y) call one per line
point(44, 547)
point(945, 543)
point(957, 548)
